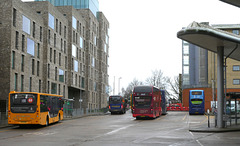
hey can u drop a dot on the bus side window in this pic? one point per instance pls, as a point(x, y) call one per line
point(43, 103)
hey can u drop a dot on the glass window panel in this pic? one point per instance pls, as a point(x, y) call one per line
point(50, 20)
point(75, 65)
point(93, 61)
point(236, 81)
point(186, 70)
point(236, 67)
point(81, 42)
point(236, 32)
point(26, 24)
point(61, 75)
point(186, 60)
point(74, 51)
point(30, 46)
point(185, 49)
point(74, 22)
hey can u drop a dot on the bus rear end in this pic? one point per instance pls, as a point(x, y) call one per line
point(117, 104)
point(23, 108)
point(146, 102)
point(196, 102)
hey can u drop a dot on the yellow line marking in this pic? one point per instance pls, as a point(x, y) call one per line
point(184, 117)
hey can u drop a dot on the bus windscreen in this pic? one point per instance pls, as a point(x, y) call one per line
point(142, 101)
point(23, 103)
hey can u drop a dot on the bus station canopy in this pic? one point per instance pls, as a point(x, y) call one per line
point(232, 2)
point(211, 38)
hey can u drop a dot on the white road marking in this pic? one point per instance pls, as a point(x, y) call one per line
point(117, 130)
point(199, 142)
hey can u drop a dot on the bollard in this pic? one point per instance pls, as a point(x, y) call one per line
point(208, 118)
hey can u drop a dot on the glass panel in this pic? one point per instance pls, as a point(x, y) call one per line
point(61, 75)
point(50, 21)
point(81, 42)
point(236, 68)
point(26, 24)
point(236, 82)
point(75, 65)
point(186, 60)
point(186, 70)
point(30, 46)
point(74, 22)
point(74, 51)
point(142, 101)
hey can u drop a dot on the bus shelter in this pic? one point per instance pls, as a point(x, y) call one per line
point(221, 42)
point(233, 106)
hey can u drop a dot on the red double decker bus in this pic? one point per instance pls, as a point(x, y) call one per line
point(146, 102)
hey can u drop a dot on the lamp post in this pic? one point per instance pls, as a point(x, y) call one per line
point(119, 85)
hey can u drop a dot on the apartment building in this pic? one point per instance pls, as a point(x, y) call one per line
point(55, 50)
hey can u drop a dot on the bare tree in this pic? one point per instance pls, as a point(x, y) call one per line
point(157, 79)
point(130, 87)
point(175, 87)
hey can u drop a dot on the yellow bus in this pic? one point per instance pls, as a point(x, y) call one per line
point(34, 108)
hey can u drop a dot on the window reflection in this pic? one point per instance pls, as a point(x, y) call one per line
point(50, 20)
point(74, 22)
point(30, 46)
point(75, 65)
point(26, 24)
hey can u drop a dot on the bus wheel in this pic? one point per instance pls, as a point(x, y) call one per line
point(47, 121)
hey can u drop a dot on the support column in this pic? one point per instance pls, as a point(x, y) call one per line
point(220, 87)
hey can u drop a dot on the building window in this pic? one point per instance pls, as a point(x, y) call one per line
point(38, 67)
point(186, 70)
point(60, 28)
point(40, 86)
point(74, 49)
point(41, 33)
point(64, 46)
point(236, 81)
point(185, 60)
point(16, 39)
point(30, 46)
point(61, 75)
point(15, 82)
point(49, 36)
point(22, 83)
point(23, 42)
point(22, 63)
point(59, 89)
point(55, 41)
point(48, 87)
point(65, 32)
point(48, 70)
point(38, 50)
point(13, 59)
point(60, 58)
point(81, 42)
point(236, 68)
point(56, 25)
point(33, 66)
point(235, 31)
point(50, 54)
point(14, 17)
point(66, 62)
point(75, 65)
point(55, 73)
point(54, 88)
point(74, 22)
point(50, 21)
point(26, 24)
point(34, 29)
point(54, 56)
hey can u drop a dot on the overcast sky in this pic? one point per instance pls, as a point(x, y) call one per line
point(143, 34)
